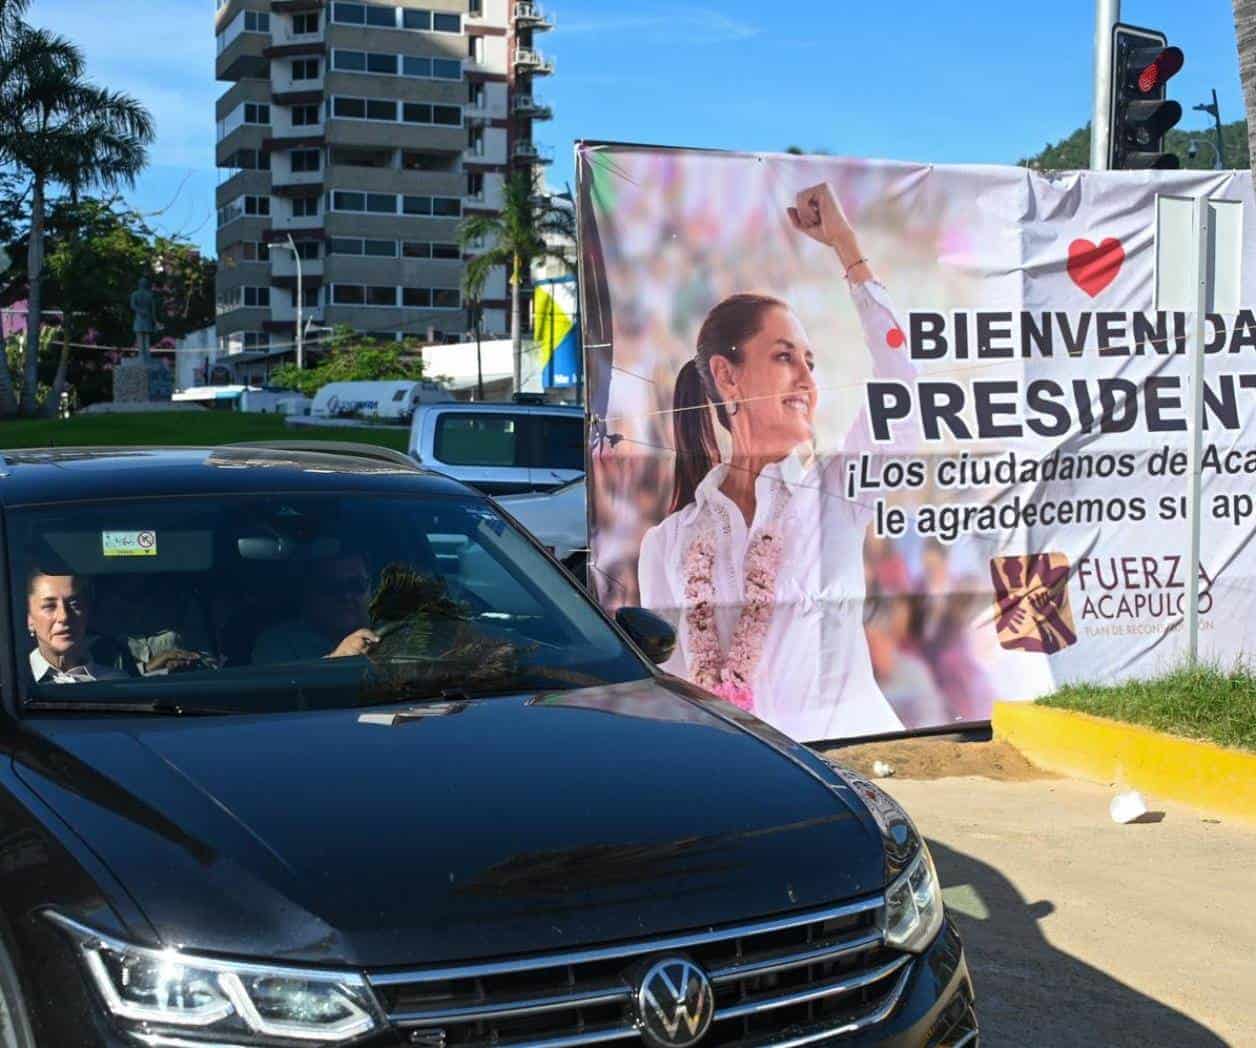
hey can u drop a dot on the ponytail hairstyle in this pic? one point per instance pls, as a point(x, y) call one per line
point(732, 322)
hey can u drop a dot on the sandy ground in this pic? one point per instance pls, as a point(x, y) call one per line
point(1081, 932)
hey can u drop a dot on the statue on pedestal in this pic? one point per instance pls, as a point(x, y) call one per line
point(143, 380)
point(146, 306)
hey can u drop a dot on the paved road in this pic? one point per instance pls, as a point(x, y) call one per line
point(1081, 932)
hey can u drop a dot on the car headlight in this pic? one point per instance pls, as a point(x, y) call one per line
point(913, 906)
point(169, 988)
point(913, 902)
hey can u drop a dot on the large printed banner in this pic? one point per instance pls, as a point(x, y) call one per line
point(887, 441)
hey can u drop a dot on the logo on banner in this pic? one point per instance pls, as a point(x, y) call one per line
point(1031, 604)
point(1093, 267)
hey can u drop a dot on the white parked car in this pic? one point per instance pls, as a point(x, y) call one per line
point(559, 519)
point(501, 448)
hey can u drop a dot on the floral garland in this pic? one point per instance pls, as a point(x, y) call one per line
point(729, 676)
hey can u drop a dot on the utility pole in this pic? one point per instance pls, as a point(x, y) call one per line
point(1107, 14)
point(1214, 110)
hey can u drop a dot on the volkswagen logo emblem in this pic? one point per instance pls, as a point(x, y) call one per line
point(675, 1003)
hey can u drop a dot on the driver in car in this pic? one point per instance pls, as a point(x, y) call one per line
point(333, 616)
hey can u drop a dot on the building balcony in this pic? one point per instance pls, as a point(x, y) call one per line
point(531, 153)
point(531, 108)
point(529, 60)
point(530, 16)
point(283, 267)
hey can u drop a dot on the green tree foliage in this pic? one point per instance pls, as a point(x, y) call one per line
point(96, 253)
point(529, 228)
point(353, 359)
point(1073, 153)
point(57, 129)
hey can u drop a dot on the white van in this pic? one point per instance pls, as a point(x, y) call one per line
point(386, 401)
point(501, 449)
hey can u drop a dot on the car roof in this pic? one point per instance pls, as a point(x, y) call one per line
point(48, 475)
point(496, 406)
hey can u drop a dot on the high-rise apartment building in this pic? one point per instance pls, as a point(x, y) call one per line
point(352, 140)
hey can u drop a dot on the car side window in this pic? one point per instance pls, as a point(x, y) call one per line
point(487, 440)
point(562, 443)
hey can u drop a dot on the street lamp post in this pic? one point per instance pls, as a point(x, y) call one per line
point(300, 339)
point(1213, 109)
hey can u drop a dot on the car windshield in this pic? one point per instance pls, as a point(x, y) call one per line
point(279, 603)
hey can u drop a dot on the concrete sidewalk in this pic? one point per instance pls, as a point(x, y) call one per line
point(1084, 933)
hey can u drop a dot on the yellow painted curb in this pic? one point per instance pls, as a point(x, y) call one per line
point(1200, 774)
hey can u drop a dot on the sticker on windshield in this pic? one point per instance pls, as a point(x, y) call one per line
point(129, 543)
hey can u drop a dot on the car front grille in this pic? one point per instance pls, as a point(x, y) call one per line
point(787, 981)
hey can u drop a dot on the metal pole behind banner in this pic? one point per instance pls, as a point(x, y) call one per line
point(1195, 424)
point(1107, 14)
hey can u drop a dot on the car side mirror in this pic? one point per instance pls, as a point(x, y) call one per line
point(652, 634)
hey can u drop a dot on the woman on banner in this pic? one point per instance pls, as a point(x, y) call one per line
point(762, 555)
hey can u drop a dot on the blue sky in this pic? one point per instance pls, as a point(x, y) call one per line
point(983, 81)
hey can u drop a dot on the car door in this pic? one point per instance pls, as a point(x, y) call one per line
point(484, 448)
point(557, 450)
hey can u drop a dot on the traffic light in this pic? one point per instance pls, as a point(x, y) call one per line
point(1142, 63)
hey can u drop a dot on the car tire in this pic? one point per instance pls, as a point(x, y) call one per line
point(15, 1024)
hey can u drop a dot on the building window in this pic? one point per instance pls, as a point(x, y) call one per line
point(475, 185)
point(349, 61)
point(305, 69)
point(307, 250)
point(349, 14)
point(257, 297)
point(447, 207)
point(381, 17)
point(446, 23)
point(381, 109)
point(364, 203)
point(431, 298)
point(384, 64)
point(416, 19)
point(305, 207)
point(423, 249)
point(305, 23)
point(384, 109)
point(414, 66)
point(257, 205)
point(362, 157)
point(304, 160)
point(416, 205)
point(305, 116)
point(256, 22)
point(413, 160)
point(348, 295)
point(446, 69)
point(381, 296)
point(380, 248)
point(256, 113)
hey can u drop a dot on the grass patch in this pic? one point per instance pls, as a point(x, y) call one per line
point(183, 428)
point(1202, 702)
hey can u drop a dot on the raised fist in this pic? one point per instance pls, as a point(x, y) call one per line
point(817, 213)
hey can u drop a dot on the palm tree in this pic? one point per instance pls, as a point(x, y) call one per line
point(1245, 31)
point(60, 130)
point(515, 238)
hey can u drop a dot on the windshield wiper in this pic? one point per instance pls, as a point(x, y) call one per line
point(160, 707)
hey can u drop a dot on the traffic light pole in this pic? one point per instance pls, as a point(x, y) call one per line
point(1195, 423)
point(1107, 15)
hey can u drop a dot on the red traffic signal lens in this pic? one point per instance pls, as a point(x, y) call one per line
point(1165, 64)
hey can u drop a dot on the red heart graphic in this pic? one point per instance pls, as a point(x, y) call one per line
point(1095, 267)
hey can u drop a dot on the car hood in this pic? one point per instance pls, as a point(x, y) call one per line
point(472, 829)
